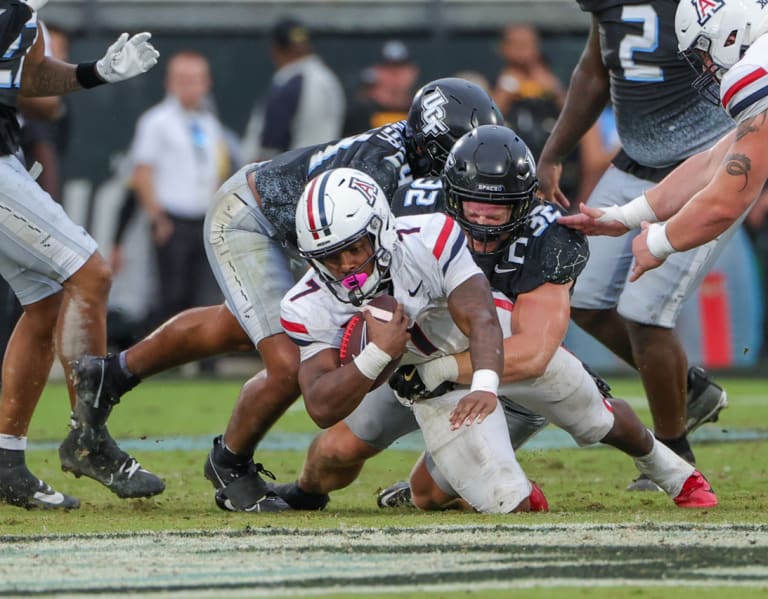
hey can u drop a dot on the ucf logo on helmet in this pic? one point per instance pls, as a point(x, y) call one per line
point(433, 114)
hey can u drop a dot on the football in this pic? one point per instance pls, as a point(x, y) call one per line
point(355, 335)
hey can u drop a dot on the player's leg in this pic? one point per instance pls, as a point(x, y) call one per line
point(254, 273)
point(478, 461)
point(42, 252)
point(567, 395)
point(337, 455)
point(27, 364)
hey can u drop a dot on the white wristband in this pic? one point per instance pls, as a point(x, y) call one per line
point(630, 214)
point(372, 361)
point(485, 380)
point(658, 242)
point(437, 371)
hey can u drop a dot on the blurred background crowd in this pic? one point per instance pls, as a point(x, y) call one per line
point(138, 164)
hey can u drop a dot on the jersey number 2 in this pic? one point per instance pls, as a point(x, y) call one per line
point(645, 43)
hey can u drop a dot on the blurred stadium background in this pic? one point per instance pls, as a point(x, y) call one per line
point(722, 324)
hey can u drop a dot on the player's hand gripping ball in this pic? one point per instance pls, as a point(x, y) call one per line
point(355, 336)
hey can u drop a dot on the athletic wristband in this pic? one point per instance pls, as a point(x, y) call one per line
point(658, 242)
point(485, 380)
point(87, 75)
point(372, 361)
point(631, 214)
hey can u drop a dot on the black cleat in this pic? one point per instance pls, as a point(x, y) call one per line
point(705, 399)
point(99, 384)
point(396, 495)
point(92, 452)
point(239, 486)
point(18, 486)
point(299, 499)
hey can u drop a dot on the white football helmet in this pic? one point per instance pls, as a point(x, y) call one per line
point(722, 29)
point(336, 209)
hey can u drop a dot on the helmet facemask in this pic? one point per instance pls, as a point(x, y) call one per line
point(708, 76)
point(490, 238)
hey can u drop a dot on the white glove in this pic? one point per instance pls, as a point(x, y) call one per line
point(36, 4)
point(127, 58)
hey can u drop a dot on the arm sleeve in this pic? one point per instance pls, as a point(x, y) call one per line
point(12, 21)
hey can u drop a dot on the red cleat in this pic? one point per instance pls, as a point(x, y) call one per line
point(537, 500)
point(696, 493)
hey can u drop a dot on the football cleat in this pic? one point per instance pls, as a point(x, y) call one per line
point(396, 495)
point(705, 399)
point(299, 499)
point(91, 451)
point(98, 386)
point(18, 486)
point(643, 483)
point(696, 493)
point(239, 487)
point(537, 499)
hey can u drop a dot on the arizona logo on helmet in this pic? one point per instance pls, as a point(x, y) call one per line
point(367, 188)
point(705, 9)
point(433, 113)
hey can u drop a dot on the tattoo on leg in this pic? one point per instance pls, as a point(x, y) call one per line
point(738, 165)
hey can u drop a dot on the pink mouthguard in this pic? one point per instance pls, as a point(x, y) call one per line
point(355, 281)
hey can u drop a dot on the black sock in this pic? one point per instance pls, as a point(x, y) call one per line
point(11, 458)
point(226, 457)
point(117, 371)
point(681, 447)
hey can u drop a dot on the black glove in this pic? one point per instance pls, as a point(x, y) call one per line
point(407, 384)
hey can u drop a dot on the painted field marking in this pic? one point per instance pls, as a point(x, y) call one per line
point(281, 561)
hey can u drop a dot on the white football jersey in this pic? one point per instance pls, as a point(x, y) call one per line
point(429, 262)
point(744, 88)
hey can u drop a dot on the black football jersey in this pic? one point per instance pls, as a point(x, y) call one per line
point(660, 118)
point(11, 65)
point(281, 181)
point(544, 252)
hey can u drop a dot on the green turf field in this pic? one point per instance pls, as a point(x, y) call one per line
point(597, 538)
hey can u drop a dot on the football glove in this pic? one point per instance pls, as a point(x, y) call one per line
point(408, 384)
point(36, 4)
point(127, 58)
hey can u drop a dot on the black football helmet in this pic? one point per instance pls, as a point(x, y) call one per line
point(441, 112)
point(492, 165)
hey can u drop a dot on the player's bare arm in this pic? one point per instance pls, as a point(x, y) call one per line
point(658, 203)
point(588, 94)
point(331, 392)
point(472, 308)
point(737, 182)
point(539, 323)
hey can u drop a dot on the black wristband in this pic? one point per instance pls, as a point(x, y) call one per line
point(87, 75)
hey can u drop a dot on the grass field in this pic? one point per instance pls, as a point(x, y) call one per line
point(597, 540)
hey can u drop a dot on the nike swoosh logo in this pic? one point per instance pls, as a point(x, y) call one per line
point(501, 271)
point(415, 291)
point(54, 498)
point(408, 377)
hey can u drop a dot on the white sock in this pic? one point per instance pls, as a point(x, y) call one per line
point(664, 467)
point(13, 442)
